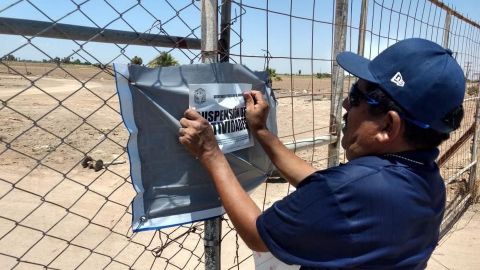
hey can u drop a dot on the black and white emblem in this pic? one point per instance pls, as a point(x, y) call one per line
point(199, 96)
point(398, 79)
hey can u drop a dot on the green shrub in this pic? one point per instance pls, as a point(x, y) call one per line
point(472, 90)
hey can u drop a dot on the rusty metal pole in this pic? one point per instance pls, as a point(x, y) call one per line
point(446, 29)
point(339, 43)
point(362, 27)
point(12, 26)
point(213, 227)
point(474, 157)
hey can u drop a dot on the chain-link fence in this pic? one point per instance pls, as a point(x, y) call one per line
point(59, 105)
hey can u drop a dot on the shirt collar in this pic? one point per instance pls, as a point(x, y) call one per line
point(427, 156)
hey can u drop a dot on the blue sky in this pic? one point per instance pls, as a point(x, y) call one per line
point(282, 44)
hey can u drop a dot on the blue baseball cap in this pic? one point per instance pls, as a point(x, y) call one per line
point(422, 77)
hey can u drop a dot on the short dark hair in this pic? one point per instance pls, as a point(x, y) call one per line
point(418, 137)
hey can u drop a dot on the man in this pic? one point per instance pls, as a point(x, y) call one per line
point(382, 209)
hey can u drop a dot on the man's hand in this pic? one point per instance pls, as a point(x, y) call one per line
point(256, 111)
point(293, 168)
point(197, 136)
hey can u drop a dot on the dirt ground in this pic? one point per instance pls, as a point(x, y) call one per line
point(55, 213)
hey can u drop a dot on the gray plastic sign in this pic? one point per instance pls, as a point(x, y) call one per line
point(172, 187)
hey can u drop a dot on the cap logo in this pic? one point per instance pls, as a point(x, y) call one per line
point(398, 80)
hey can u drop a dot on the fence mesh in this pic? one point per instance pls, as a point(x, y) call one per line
point(59, 105)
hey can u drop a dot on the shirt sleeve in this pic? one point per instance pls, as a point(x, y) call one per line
point(308, 227)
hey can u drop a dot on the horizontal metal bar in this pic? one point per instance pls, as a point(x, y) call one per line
point(441, 5)
point(300, 145)
point(24, 27)
point(456, 146)
point(306, 143)
point(454, 177)
point(470, 98)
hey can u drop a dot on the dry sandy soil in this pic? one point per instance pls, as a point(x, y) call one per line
point(55, 213)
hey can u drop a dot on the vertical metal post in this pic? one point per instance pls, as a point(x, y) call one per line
point(473, 169)
point(213, 227)
point(339, 43)
point(224, 43)
point(362, 27)
point(446, 29)
point(209, 31)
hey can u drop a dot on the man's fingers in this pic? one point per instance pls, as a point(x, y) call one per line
point(183, 140)
point(184, 131)
point(192, 114)
point(258, 97)
point(248, 99)
point(253, 97)
point(184, 122)
point(189, 127)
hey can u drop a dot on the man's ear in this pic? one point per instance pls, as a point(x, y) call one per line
point(390, 127)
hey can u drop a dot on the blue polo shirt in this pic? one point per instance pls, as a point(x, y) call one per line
point(374, 212)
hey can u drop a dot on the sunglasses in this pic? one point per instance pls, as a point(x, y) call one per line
point(355, 96)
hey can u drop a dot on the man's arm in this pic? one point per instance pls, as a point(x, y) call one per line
point(197, 136)
point(293, 168)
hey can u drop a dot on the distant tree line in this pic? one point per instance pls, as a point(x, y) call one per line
point(65, 60)
point(164, 59)
point(323, 75)
point(58, 60)
point(9, 57)
point(272, 74)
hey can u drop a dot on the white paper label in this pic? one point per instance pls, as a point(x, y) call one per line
point(223, 106)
